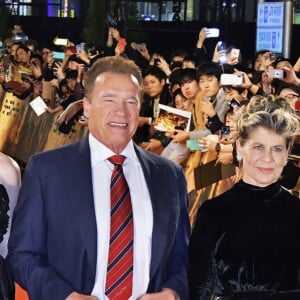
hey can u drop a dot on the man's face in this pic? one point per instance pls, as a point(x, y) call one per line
point(112, 108)
point(232, 94)
point(153, 86)
point(22, 56)
point(190, 89)
point(210, 85)
point(45, 53)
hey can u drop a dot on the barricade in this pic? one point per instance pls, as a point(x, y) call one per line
point(212, 187)
point(23, 133)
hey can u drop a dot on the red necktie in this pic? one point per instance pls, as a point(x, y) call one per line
point(120, 257)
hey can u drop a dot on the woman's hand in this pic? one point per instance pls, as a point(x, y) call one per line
point(178, 136)
point(153, 146)
point(58, 70)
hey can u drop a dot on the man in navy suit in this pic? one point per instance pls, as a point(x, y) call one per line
point(59, 241)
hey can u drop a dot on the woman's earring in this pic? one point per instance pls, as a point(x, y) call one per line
point(239, 157)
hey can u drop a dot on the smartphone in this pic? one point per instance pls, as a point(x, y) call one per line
point(58, 55)
point(275, 73)
point(234, 103)
point(122, 43)
point(80, 47)
point(92, 51)
point(225, 131)
point(221, 46)
point(231, 79)
point(60, 41)
point(212, 32)
point(234, 53)
point(140, 47)
point(193, 145)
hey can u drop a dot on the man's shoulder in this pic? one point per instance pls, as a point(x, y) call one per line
point(69, 150)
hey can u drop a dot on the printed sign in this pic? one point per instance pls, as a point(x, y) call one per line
point(270, 22)
point(270, 14)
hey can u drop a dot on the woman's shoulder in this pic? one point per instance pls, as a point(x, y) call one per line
point(4, 207)
point(220, 202)
point(10, 170)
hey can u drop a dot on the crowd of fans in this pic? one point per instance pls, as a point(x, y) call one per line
point(186, 81)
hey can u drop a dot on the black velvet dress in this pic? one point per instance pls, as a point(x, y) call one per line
point(246, 245)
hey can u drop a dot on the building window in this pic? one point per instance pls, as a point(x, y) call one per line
point(50, 8)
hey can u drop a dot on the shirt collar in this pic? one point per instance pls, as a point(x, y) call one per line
point(100, 152)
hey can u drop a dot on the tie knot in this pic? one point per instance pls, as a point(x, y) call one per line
point(117, 159)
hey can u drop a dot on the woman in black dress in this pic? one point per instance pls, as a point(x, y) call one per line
point(245, 243)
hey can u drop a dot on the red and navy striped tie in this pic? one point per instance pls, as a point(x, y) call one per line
point(120, 257)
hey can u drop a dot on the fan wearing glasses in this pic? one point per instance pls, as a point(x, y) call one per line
point(291, 94)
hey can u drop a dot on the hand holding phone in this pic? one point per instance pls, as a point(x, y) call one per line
point(60, 41)
point(275, 73)
point(193, 145)
point(212, 32)
point(58, 55)
point(140, 47)
point(234, 54)
point(122, 43)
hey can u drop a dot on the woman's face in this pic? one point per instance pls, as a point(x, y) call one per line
point(264, 155)
point(190, 89)
point(179, 101)
point(153, 86)
point(229, 121)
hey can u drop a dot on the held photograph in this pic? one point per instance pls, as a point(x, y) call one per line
point(171, 118)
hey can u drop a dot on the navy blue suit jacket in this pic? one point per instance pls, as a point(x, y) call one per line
point(53, 242)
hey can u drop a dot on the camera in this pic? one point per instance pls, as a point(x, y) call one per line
point(275, 73)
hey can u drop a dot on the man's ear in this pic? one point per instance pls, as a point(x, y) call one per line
point(86, 107)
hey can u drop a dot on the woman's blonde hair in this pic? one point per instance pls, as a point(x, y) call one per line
point(270, 112)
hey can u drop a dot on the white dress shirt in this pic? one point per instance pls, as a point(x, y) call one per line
point(142, 215)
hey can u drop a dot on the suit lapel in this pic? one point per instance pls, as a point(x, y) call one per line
point(156, 179)
point(79, 184)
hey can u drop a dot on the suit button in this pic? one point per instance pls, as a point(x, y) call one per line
point(91, 279)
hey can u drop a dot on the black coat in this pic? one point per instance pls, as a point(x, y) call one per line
point(246, 243)
point(7, 289)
